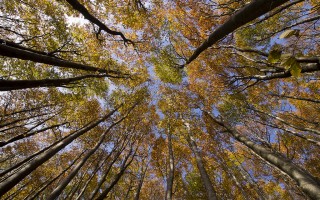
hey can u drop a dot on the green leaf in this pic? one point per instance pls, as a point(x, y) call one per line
point(274, 55)
point(289, 33)
point(288, 62)
point(293, 66)
point(295, 69)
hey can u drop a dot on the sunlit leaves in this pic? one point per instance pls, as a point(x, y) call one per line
point(167, 68)
point(224, 80)
point(291, 64)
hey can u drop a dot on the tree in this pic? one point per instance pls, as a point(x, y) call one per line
point(137, 99)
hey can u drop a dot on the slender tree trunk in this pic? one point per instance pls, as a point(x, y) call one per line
point(308, 184)
point(36, 195)
point(57, 191)
point(137, 195)
point(123, 168)
point(9, 85)
point(296, 98)
point(25, 135)
point(211, 193)
point(28, 110)
point(10, 182)
point(16, 51)
point(287, 123)
point(105, 174)
point(247, 177)
point(170, 177)
point(98, 167)
point(301, 136)
point(21, 119)
point(246, 14)
point(129, 189)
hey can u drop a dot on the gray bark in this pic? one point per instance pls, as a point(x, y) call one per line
point(211, 193)
point(170, 176)
point(57, 191)
point(79, 7)
point(248, 13)
point(123, 168)
point(27, 54)
point(9, 85)
point(10, 182)
point(307, 183)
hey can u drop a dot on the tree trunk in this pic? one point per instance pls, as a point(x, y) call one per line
point(304, 180)
point(105, 174)
point(10, 182)
point(123, 168)
point(246, 14)
point(16, 51)
point(36, 195)
point(25, 135)
point(9, 85)
point(170, 176)
point(97, 168)
point(211, 193)
point(137, 195)
point(72, 174)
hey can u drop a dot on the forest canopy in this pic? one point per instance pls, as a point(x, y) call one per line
point(150, 99)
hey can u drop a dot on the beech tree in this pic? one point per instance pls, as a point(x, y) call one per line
point(146, 99)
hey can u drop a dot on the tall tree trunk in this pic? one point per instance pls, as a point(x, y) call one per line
point(97, 168)
point(211, 193)
point(123, 168)
point(9, 85)
point(105, 174)
point(26, 134)
point(308, 184)
point(137, 195)
point(9, 49)
point(10, 182)
point(72, 174)
point(57, 191)
point(246, 14)
point(170, 176)
point(36, 195)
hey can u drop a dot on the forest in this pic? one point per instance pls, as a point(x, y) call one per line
point(160, 99)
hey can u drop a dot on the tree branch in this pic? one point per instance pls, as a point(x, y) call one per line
point(248, 13)
point(84, 11)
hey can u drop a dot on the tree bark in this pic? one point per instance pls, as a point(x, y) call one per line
point(10, 182)
point(137, 195)
point(105, 174)
point(211, 193)
point(170, 177)
point(57, 191)
point(98, 167)
point(79, 7)
point(248, 13)
point(36, 195)
point(9, 85)
point(21, 53)
point(123, 168)
point(308, 184)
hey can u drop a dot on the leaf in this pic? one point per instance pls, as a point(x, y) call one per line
point(293, 66)
point(295, 69)
point(274, 55)
point(289, 33)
